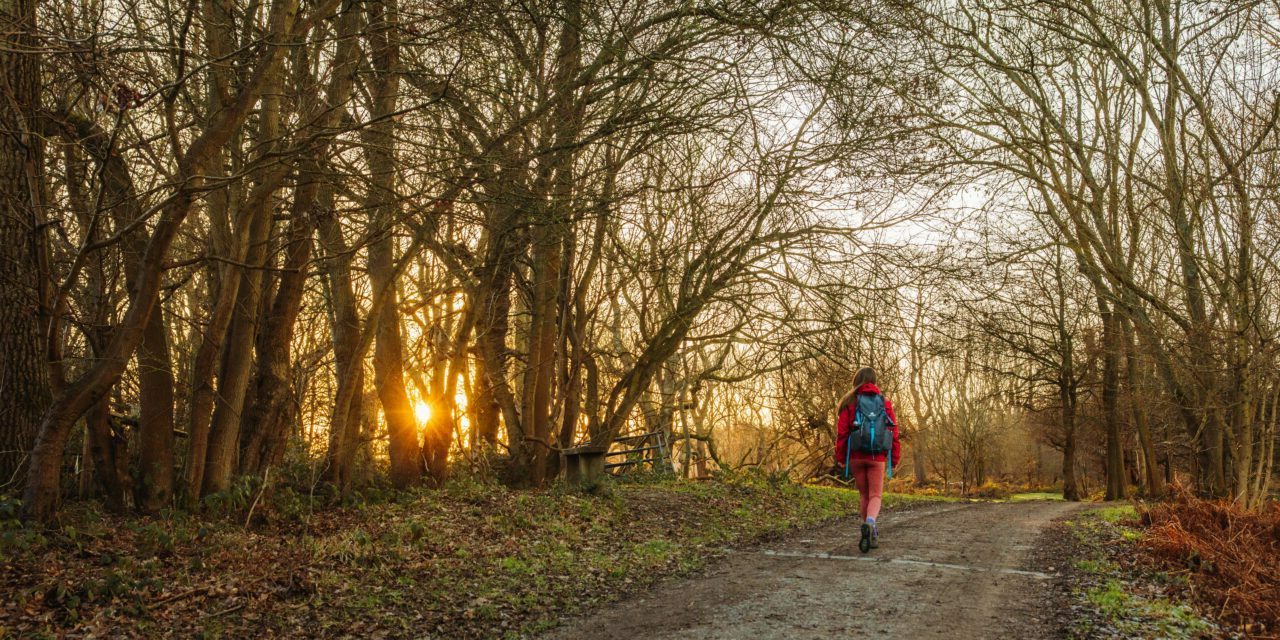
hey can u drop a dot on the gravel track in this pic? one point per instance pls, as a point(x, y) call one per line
point(949, 570)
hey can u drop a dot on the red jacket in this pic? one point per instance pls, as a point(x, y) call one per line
point(844, 424)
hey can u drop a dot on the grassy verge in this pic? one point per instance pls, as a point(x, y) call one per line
point(1113, 596)
point(473, 560)
point(1036, 496)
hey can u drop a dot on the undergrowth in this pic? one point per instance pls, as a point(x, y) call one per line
point(1114, 596)
point(1228, 557)
point(473, 559)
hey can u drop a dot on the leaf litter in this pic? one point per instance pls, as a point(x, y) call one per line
point(480, 562)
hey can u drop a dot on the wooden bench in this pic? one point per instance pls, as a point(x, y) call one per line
point(583, 464)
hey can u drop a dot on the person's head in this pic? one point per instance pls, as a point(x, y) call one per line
point(863, 376)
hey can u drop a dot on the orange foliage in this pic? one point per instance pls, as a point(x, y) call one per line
point(1231, 555)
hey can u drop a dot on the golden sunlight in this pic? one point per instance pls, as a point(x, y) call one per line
point(421, 412)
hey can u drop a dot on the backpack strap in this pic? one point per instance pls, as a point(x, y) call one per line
point(848, 443)
point(848, 451)
point(888, 418)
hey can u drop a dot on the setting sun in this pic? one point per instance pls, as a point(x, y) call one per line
point(421, 412)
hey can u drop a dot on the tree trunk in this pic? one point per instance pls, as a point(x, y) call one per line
point(494, 401)
point(1208, 426)
point(266, 428)
point(237, 357)
point(154, 483)
point(348, 409)
point(919, 453)
point(265, 431)
point(1070, 487)
point(549, 235)
point(224, 278)
point(388, 372)
point(534, 439)
point(383, 201)
point(41, 495)
point(108, 451)
point(1110, 402)
point(24, 383)
point(1137, 404)
point(154, 490)
point(437, 436)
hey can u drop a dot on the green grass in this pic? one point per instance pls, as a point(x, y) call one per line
point(1096, 567)
point(1135, 615)
point(1113, 514)
point(1125, 599)
point(1035, 495)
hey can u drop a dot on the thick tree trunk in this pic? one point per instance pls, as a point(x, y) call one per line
point(1212, 455)
point(1242, 451)
point(575, 354)
point(437, 431)
point(437, 434)
point(264, 431)
point(154, 485)
point(1110, 401)
point(549, 235)
point(383, 201)
point(494, 401)
point(1070, 485)
point(24, 383)
point(108, 451)
point(348, 408)
point(224, 278)
point(388, 371)
point(534, 439)
point(579, 362)
point(237, 360)
point(921, 413)
point(919, 455)
point(1151, 468)
point(1208, 424)
point(200, 406)
point(347, 425)
point(237, 355)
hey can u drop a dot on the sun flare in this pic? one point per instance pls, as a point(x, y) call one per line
point(421, 412)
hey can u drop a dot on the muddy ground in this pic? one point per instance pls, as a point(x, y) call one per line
point(949, 570)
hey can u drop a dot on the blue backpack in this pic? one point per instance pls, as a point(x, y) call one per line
point(872, 430)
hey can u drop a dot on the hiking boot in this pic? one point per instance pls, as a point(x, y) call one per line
point(875, 537)
point(864, 543)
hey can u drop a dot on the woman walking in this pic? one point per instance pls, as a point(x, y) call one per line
point(866, 442)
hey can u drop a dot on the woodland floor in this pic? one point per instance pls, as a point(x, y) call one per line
point(474, 560)
point(741, 558)
point(958, 570)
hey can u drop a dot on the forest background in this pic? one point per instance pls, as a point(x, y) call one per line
point(346, 244)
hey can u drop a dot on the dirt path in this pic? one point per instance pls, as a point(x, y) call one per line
point(942, 571)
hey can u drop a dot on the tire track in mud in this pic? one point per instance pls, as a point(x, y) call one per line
point(955, 570)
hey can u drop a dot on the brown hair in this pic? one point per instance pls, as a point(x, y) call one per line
point(863, 376)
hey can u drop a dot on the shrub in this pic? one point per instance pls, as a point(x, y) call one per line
point(1231, 555)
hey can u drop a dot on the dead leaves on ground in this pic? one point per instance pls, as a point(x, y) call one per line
point(479, 563)
point(1231, 555)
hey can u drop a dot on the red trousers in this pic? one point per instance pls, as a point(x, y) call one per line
point(869, 476)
